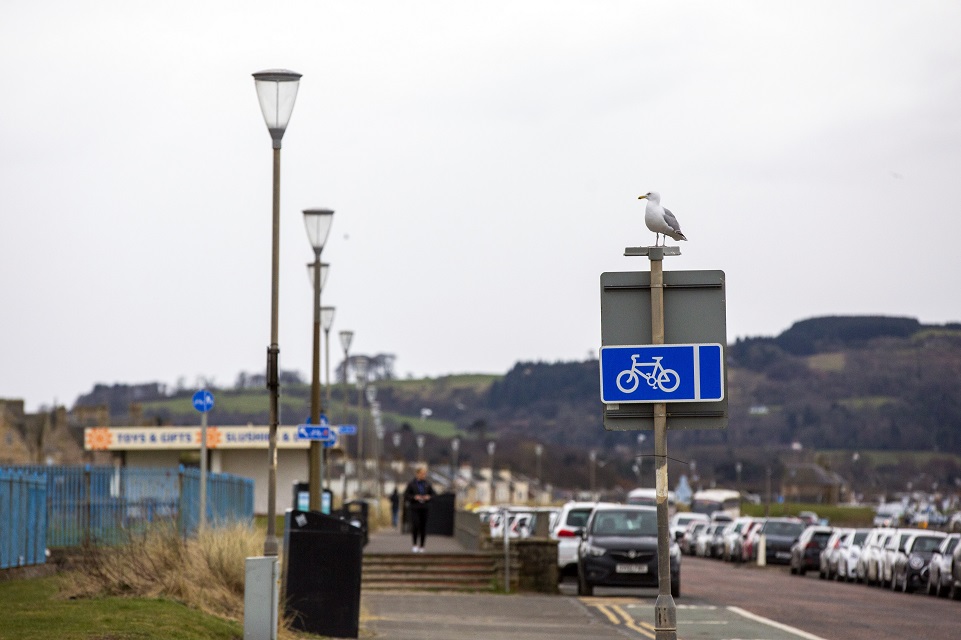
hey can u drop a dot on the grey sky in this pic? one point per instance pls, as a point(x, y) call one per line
point(484, 161)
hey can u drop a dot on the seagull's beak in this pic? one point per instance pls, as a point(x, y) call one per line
point(642, 197)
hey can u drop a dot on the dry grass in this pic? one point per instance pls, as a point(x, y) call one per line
point(206, 572)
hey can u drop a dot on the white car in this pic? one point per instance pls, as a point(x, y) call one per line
point(680, 521)
point(731, 537)
point(849, 553)
point(567, 531)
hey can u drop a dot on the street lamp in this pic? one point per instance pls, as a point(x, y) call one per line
point(326, 321)
point(491, 447)
point(360, 373)
point(277, 92)
point(317, 222)
point(454, 448)
point(538, 451)
point(640, 459)
point(371, 394)
point(420, 448)
point(593, 471)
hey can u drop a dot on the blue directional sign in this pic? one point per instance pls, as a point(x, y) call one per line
point(314, 432)
point(347, 430)
point(203, 401)
point(662, 373)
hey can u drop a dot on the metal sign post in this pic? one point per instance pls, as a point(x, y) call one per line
point(679, 374)
point(203, 402)
point(665, 610)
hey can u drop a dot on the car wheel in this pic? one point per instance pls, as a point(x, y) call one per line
point(905, 586)
point(676, 587)
point(894, 581)
point(801, 570)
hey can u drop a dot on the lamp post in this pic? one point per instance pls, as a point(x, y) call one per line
point(371, 394)
point(538, 452)
point(640, 459)
point(593, 471)
point(395, 438)
point(360, 371)
point(317, 223)
point(454, 449)
point(491, 447)
point(277, 92)
point(738, 467)
point(420, 448)
point(326, 321)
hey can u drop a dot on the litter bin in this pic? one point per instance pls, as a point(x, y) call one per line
point(302, 498)
point(323, 557)
point(440, 515)
point(355, 512)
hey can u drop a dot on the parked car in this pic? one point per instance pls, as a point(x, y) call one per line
point(911, 567)
point(680, 521)
point(827, 559)
point(954, 523)
point(873, 554)
point(849, 553)
point(567, 531)
point(619, 549)
point(893, 551)
point(744, 547)
point(731, 535)
point(779, 534)
point(689, 538)
point(890, 514)
point(939, 569)
point(954, 583)
point(704, 543)
point(805, 552)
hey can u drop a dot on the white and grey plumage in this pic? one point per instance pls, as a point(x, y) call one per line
point(660, 220)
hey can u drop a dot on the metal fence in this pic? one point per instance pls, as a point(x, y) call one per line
point(102, 505)
point(23, 518)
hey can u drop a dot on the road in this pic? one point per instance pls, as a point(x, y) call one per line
point(720, 601)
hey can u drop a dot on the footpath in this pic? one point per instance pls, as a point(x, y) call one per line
point(421, 615)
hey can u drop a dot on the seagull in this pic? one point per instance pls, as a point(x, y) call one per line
point(660, 220)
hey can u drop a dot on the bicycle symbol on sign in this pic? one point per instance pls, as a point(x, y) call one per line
point(667, 380)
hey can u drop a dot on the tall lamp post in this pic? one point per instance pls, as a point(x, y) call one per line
point(538, 452)
point(360, 371)
point(317, 223)
point(277, 92)
point(326, 321)
point(491, 446)
point(371, 394)
point(454, 449)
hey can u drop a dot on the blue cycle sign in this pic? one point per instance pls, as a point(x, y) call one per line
point(662, 373)
point(203, 401)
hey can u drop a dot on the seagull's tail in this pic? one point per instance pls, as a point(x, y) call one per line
point(677, 235)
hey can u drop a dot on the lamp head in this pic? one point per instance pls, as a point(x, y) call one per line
point(277, 92)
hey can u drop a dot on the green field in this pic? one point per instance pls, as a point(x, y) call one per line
point(839, 516)
point(33, 610)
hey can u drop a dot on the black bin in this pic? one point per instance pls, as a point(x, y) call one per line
point(440, 515)
point(355, 512)
point(323, 556)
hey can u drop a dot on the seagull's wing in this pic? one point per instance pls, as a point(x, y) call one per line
point(671, 220)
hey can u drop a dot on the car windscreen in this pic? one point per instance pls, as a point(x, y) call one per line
point(926, 544)
point(860, 537)
point(578, 517)
point(821, 537)
point(785, 529)
point(627, 523)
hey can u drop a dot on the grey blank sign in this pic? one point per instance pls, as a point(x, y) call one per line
point(694, 312)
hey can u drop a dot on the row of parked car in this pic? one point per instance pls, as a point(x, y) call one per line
point(905, 559)
point(737, 539)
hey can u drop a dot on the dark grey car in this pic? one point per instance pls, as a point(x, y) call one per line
point(619, 549)
point(779, 534)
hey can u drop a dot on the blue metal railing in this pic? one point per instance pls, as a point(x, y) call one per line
point(102, 505)
point(23, 518)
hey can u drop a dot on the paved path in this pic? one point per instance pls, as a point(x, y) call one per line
point(409, 615)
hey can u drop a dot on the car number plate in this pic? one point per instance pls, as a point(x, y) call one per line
point(782, 555)
point(631, 568)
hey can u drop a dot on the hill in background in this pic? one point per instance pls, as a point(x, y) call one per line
point(824, 389)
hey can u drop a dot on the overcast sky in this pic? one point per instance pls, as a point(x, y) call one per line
point(484, 161)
